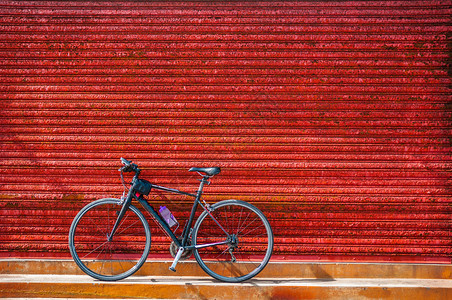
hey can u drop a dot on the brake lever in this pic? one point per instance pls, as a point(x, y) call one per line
point(128, 166)
point(125, 161)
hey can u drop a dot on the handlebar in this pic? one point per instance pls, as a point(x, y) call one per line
point(129, 166)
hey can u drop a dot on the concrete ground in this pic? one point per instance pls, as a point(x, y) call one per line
point(280, 280)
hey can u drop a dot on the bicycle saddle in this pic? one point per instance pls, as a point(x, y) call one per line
point(208, 171)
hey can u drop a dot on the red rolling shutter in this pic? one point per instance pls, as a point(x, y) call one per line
point(332, 117)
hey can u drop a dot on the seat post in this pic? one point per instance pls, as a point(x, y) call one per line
point(205, 179)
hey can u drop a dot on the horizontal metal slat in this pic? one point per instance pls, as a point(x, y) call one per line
point(332, 117)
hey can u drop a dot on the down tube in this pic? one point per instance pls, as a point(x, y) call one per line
point(165, 226)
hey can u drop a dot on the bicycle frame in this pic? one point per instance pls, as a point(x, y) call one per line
point(110, 239)
point(184, 243)
point(163, 224)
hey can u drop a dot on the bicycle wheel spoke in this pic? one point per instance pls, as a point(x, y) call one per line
point(220, 254)
point(239, 224)
point(239, 221)
point(109, 258)
point(249, 245)
point(95, 250)
point(246, 224)
point(100, 230)
point(252, 230)
point(130, 226)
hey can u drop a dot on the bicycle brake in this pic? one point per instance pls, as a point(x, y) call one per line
point(207, 206)
point(123, 198)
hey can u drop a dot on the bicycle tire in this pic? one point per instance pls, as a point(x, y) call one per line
point(109, 260)
point(249, 247)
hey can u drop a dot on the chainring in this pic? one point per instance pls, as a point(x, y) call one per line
point(173, 251)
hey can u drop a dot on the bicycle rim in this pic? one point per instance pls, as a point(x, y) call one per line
point(103, 259)
point(248, 248)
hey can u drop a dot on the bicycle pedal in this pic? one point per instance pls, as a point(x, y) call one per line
point(176, 259)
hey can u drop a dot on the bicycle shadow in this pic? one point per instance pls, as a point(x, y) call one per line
point(262, 286)
point(316, 274)
point(211, 281)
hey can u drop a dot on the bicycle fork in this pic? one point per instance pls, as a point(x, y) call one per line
point(121, 214)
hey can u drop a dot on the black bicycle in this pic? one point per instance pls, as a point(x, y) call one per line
point(110, 239)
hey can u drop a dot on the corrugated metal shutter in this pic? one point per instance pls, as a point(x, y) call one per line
point(332, 117)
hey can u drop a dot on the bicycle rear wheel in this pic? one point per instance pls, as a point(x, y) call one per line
point(104, 259)
point(241, 253)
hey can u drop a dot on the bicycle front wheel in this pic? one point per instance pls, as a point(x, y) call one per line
point(104, 258)
point(233, 241)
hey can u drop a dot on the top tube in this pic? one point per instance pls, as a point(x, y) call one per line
point(162, 188)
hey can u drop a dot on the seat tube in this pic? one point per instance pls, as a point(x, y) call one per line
point(193, 211)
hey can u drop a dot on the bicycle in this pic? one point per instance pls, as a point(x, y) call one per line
point(110, 239)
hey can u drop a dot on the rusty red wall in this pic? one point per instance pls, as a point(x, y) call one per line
point(332, 117)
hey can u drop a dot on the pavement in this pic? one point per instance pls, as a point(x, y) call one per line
point(280, 280)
